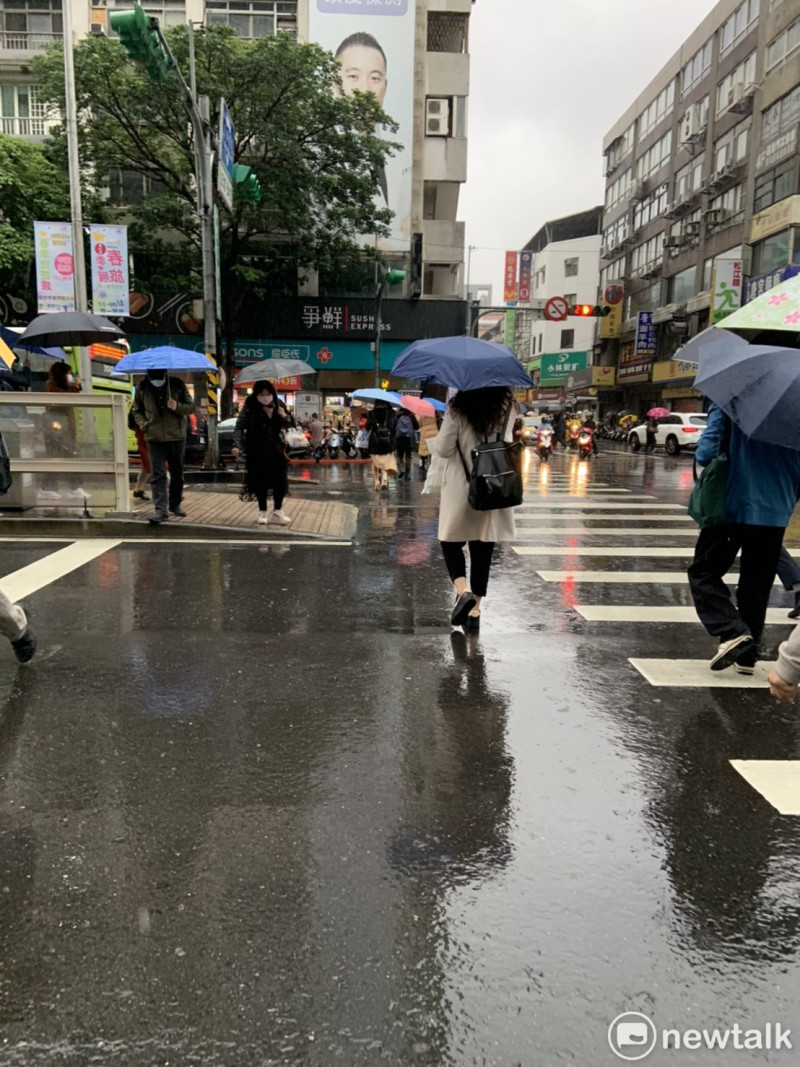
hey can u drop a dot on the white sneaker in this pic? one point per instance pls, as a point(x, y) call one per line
point(730, 651)
point(48, 494)
point(78, 494)
point(280, 518)
point(262, 517)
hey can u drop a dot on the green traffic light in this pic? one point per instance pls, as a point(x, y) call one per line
point(138, 35)
point(248, 186)
point(395, 277)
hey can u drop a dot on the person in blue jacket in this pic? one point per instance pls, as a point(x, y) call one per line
point(762, 489)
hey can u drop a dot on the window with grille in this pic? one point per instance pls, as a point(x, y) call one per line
point(30, 24)
point(447, 32)
point(21, 113)
point(254, 18)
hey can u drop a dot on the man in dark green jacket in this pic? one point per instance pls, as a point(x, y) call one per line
point(160, 408)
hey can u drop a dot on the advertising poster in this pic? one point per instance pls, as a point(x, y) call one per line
point(109, 254)
point(727, 288)
point(55, 267)
point(525, 266)
point(510, 278)
point(374, 43)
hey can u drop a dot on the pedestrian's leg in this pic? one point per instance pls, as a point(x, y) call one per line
point(376, 476)
point(280, 484)
point(175, 460)
point(158, 479)
point(14, 625)
point(480, 563)
point(761, 548)
point(714, 554)
point(453, 552)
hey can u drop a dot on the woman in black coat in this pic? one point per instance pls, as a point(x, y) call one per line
point(259, 433)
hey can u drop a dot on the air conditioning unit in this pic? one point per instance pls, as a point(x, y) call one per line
point(639, 190)
point(98, 29)
point(712, 216)
point(437, 116)
point(735, 93)
point(674, 242)
point(691, 229)
point(690, 127)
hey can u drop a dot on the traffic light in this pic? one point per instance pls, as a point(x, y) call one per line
point(248, 186)
point(138, 35)
point(395, 277)
point(596, 311)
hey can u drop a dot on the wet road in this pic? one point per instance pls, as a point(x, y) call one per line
point(259, 804)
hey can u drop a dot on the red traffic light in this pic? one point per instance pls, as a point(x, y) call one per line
point(597, 311)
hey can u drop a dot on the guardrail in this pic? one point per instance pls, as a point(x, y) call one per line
point(66, 449)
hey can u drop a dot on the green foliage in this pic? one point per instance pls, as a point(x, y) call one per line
point(31, 188)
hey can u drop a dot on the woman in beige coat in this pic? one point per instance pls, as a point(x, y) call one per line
point(472, 416)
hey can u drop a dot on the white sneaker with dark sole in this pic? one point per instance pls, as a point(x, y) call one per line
point(745, 668)
point(280, 518)
point(730, 651)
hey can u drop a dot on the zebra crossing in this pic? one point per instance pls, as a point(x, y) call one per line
point(583, 524)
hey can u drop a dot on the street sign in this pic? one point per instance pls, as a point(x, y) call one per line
point(556, 309)
point(613, 294)
point(227, 135)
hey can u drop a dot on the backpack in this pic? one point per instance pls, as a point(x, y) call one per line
point(405, 427)
point(380, 441)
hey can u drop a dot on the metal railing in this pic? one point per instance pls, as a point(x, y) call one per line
point(66, 450)
point(28, 127)
point(22, 41)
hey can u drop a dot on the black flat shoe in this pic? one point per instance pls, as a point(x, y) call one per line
point(140, 494)
point(472, 624)
point(462, 607)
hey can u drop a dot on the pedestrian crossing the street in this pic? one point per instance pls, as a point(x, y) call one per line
point(585, 525)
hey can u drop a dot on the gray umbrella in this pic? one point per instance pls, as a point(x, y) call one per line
point(69, 328)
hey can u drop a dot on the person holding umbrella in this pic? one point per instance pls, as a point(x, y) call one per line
point(160, 408)
point(381, 427)
point(259, 432)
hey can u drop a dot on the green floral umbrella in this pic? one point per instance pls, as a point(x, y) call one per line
point(776, 309)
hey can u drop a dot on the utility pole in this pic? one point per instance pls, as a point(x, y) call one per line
point(391, 277)
point(76, 207)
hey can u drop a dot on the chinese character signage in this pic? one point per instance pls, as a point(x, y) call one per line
point(759, 285)
point(525, 265)
point(633, 365)
point(374, 41)
point(510, 333)
point(558, 366)
point(645, 335)
point(55, 267)
point(227, 140)
point(726, 288)
point(510, 278)
point(109, 270)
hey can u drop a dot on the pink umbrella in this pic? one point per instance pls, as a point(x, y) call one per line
point(658, 413)
point(418, 406)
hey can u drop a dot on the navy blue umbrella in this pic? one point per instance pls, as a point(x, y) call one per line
point(461, 362)
point(757, 385)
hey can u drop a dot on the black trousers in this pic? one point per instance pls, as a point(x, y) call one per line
point(480, 562)
point(166, 454)
point(264, 478)
point(714, 554)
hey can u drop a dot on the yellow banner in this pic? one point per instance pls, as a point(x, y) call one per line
point(609, 326)
point(671, 370)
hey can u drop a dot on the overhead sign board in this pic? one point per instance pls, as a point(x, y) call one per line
point(227, 135)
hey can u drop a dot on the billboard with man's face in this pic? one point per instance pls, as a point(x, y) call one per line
point(374, 43)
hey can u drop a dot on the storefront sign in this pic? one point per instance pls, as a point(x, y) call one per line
point(726, 288)
point(776, 150)
point(671, 370)
point(593, 378)
point(55, 267)
point(645, 344)
point(756, 286)
point(558, 366)
point(632, 367)
point(609, 326)
point(776, 218)
point(510, 278)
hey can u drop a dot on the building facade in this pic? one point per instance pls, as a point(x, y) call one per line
point(426, 56)
point(566, 261)
point(702, 168)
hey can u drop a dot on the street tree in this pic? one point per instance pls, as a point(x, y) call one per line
point(31, 188)
point(314, 151)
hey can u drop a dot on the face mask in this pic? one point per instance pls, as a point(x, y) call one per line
point(265, 399)
point(157, 382)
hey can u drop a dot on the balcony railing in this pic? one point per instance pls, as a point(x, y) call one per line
point(22, 41)
point(16, 127)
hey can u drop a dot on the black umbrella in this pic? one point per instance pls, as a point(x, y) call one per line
point(69, 328)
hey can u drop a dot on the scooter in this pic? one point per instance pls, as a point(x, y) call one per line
point(544, 443)
point(296, 442)
point(585, 442)
point(349, 445)
point(334, 443)
point(573, 432)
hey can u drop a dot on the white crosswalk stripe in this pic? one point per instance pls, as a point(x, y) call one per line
point(778, 781)
point(645, 613)
point(627, 577)
point(683, 551)
point(576, 503)
point(613, 531)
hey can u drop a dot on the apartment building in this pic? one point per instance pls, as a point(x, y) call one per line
point(426, 55)
point(702, 167)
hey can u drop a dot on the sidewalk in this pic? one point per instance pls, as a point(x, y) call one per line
point(222, 514)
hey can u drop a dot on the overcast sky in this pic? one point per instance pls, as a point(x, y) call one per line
point(549, 78)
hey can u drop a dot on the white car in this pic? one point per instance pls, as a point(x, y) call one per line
point(675, 432)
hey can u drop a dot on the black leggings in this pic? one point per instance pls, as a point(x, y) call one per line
point(480, 562)
point(261, 481)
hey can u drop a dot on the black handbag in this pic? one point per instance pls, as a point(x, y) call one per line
point(495, 480)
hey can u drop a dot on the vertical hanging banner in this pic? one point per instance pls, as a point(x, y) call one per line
point(511, 330)
point(525, 267)
point(55, 267)
point(110, 270)
point(726, 287)
point(510, 278)
point(374, 43)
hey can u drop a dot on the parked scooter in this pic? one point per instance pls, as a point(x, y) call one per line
point(333, 443)
point(349, 450)
point(585, 442)
point(544, 443)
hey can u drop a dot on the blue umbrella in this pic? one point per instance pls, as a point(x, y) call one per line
point(11, 338)
point(376, 394)
point(461, 362)
point(165, 357)
point(437, 405)
point(757, 385)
